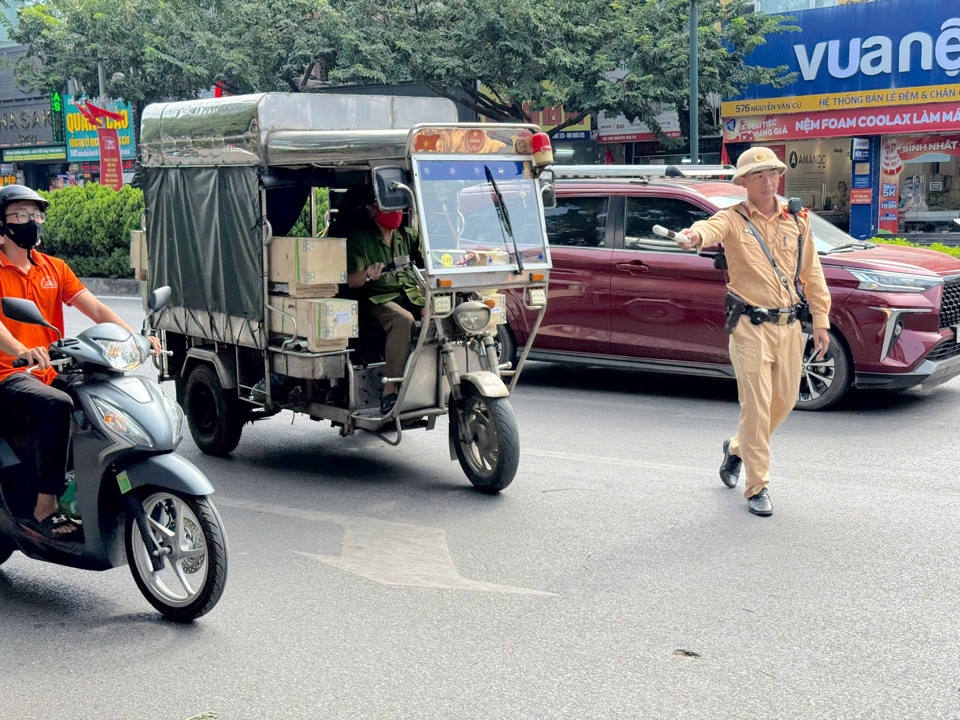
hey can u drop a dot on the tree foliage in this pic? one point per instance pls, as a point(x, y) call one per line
point(499, 57)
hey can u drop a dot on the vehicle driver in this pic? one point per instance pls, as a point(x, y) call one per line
point(34, 407)
point(766, 344)
point(393, 298)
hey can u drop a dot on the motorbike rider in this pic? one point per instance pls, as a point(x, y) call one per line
point(35, 407)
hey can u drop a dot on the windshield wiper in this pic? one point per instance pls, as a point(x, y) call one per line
point(855, 245)
point(504, 217)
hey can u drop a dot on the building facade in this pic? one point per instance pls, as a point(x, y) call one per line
point(870, 127)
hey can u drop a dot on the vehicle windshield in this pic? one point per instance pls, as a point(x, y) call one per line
point(478, 213)
point(826, 236)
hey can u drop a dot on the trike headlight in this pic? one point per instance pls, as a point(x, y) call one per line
point(472, 317)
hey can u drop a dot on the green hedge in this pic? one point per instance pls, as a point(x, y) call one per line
point(89, 228)
point(939, 247)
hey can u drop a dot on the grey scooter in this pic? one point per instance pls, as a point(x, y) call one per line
point(138, 502)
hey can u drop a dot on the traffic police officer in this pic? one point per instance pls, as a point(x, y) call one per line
point(766, 346)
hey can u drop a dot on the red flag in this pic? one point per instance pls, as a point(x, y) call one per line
point(99, 112)
point(724, 156)
point(87, 115)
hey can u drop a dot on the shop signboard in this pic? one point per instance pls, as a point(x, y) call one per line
point(860, 56)
point(843, 123)
point(82, 141)
point(26, 124)
point(111, 166)
point(51, 153)
point(618, 129)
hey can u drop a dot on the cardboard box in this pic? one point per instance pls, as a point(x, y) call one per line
point(325, 323)
point(138, 254)
point(307, 267)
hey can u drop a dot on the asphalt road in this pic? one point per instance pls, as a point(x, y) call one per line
point(616, 578)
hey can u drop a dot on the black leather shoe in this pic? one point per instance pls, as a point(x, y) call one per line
point(760, 503)
point(730, 467)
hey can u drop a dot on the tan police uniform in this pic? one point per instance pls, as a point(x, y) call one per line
point(767, 358)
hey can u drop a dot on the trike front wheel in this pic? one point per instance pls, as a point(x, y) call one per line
point(484, 434)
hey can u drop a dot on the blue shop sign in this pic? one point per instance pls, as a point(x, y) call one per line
point(871, 46)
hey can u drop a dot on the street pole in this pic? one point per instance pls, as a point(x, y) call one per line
point(694, 86)
point(102, 79)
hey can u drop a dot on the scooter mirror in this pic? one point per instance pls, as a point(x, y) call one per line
point(159, 298)
point(24, 311)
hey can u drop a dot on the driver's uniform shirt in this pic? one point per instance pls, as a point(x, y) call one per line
point(752, 277)
point(768, 357)
point(50, 283)
point(365, 247)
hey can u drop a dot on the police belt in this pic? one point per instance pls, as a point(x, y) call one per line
point(777, 316)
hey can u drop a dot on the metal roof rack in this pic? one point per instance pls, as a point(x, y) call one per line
point(642, 172)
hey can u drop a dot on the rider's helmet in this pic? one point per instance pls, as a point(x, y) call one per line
point(13, 193)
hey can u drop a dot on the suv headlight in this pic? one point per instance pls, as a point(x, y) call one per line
point(176, 417)
point(472, 317)
point(121, 424)
point(893, 282)
point(123, 355)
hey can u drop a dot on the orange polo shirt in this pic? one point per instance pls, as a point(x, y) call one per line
point(50, 283)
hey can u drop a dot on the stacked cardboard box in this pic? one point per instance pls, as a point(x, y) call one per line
point(325, 323)
point(304, 277)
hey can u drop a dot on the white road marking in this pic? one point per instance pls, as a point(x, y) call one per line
point(386, 552)
point(624, 462)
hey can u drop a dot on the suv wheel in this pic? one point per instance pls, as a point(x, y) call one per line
point(823, 382)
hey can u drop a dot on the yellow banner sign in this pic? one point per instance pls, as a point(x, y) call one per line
point(842, 101)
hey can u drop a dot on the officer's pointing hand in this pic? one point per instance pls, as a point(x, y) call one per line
point(688, 239)
point(821, 343)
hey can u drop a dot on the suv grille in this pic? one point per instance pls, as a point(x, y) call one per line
point(950, 307)
point(946, 349)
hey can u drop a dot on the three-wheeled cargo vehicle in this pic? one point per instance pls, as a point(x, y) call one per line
point(261, 319)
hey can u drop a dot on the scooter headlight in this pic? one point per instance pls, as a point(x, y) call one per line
point(472, 317)
point(176, 417)
point(123, 354)
point(119, 423)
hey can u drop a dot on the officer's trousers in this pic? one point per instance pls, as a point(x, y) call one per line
point(767, 359)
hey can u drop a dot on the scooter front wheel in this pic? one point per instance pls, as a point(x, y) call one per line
point(189, 533)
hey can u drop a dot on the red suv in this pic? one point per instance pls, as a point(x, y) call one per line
point(622, 296)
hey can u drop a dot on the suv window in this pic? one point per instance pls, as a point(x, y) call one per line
point(577, 222)
point(645, 212)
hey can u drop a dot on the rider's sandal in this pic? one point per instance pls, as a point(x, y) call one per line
point(47, 528)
